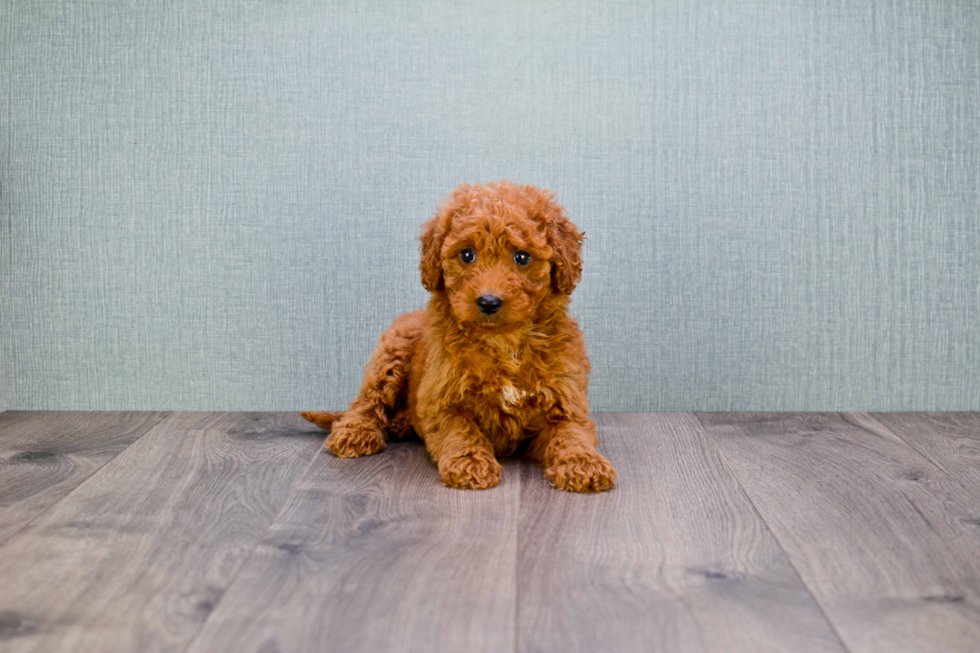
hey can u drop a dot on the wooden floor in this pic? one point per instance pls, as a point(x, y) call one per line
point(728, 532)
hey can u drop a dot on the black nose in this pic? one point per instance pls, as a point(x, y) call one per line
point(489, 304)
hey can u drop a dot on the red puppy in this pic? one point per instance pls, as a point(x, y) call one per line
point(494, 363)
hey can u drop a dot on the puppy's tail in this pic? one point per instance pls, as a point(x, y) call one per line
point(320, 418)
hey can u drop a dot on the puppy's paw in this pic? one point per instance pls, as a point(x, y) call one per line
point(471, 470)
point(588, 472)
point(353, 440)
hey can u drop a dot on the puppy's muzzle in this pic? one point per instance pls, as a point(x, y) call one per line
point(489, 304)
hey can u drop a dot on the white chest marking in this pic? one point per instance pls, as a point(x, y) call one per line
point(512, 397)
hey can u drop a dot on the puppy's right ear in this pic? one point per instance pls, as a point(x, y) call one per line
point(434, 232)
point(430, 243)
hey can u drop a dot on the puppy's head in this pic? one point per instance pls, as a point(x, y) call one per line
point(497, 251)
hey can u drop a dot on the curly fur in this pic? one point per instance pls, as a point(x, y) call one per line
point(476, 387)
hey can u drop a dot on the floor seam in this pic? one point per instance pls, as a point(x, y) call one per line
point(165, 416)
point(789, 559)
point(248, 558)
point(935, 463)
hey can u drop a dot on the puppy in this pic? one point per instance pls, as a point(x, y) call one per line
point(493, 365)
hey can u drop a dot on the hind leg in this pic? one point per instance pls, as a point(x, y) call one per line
point(363, 429)
point(358, 433)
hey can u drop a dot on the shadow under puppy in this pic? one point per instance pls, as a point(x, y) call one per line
point(494, 364)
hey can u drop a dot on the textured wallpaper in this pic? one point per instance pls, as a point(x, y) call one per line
point(213, 205)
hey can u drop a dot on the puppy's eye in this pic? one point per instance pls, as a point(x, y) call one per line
point(467, 255)
point(522, 258)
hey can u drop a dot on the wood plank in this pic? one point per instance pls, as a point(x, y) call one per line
point(880, 535)
point(951, 441)
point(674, 559)
point(45, 455)
point(374, 554)
point(137, 556)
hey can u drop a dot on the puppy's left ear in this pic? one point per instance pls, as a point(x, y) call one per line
point(563, 237)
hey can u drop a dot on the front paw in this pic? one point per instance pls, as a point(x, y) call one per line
point(353, 440)
point(589, 472)
point(472, 470)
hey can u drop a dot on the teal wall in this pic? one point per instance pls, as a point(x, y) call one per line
point(213, 205)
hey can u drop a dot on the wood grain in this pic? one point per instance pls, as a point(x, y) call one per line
point(46, 455)
point(374, 554)
point(951, 441)
point(205, 534)
point(674, 559)
point(139, 555)
point(885, 540)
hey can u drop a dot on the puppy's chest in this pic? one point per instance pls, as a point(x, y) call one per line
point(507, 384)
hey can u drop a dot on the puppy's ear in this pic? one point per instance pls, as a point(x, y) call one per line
point(430, 243)
point(434, 232)
point(563, 237)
